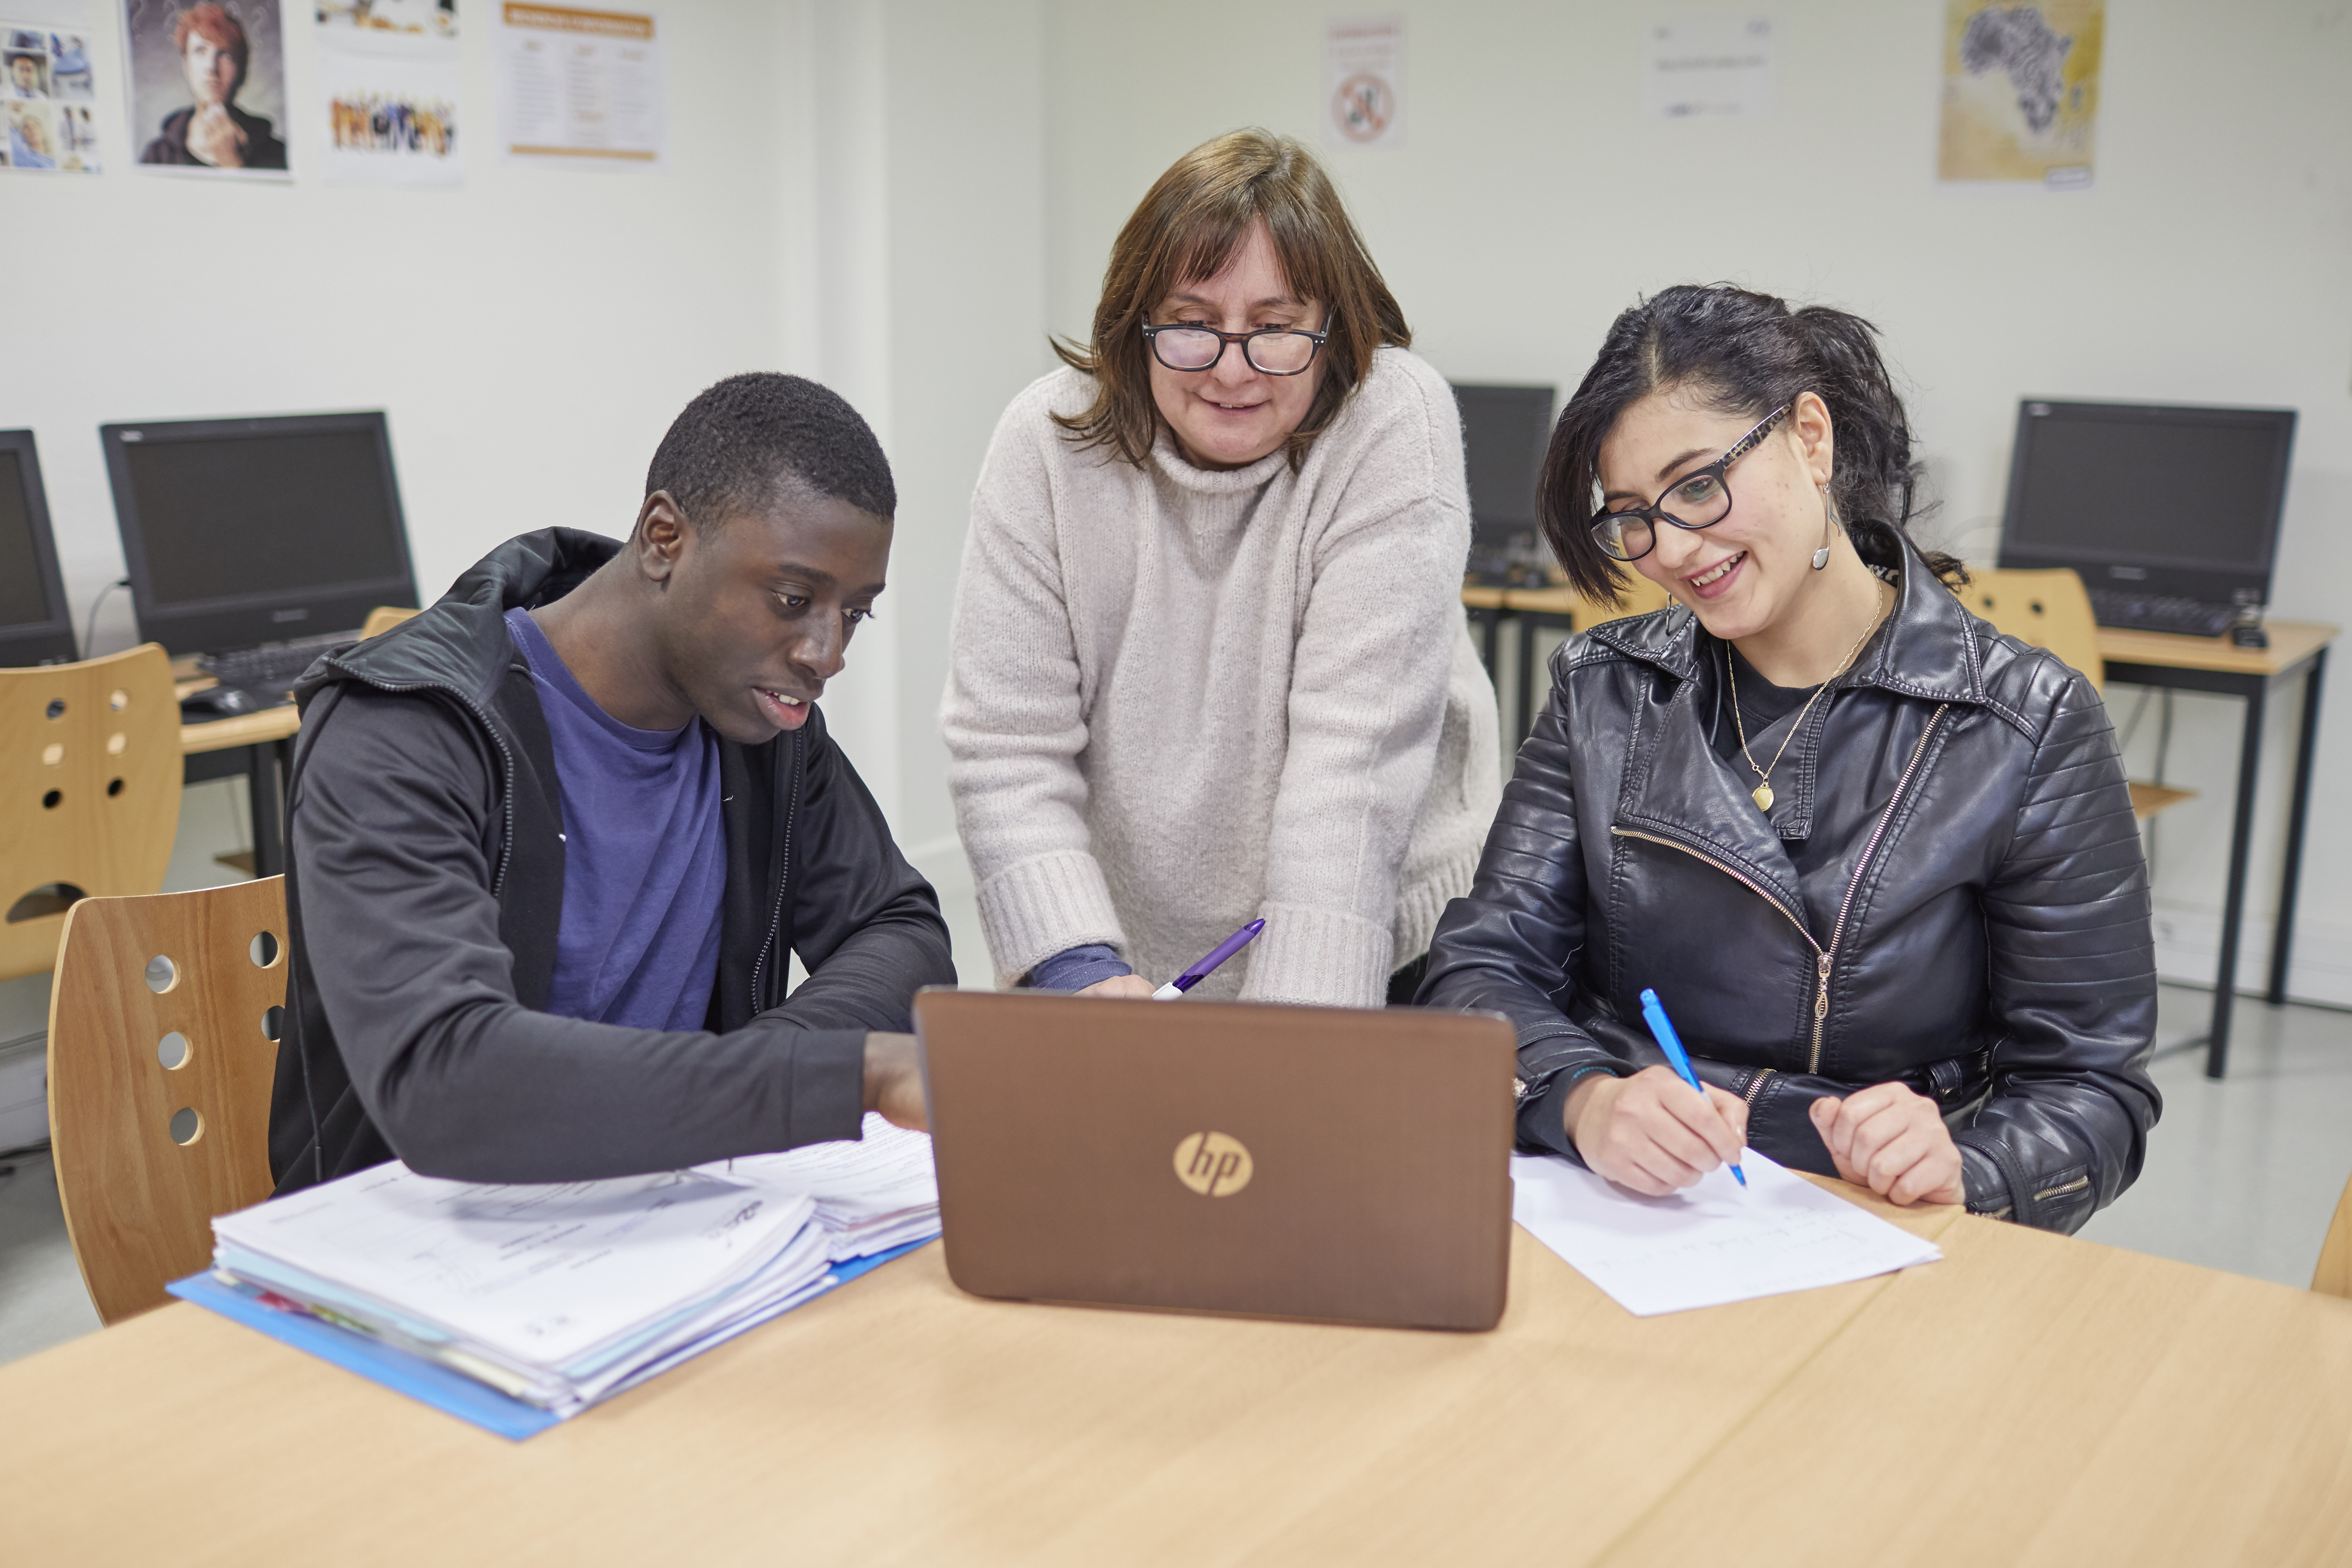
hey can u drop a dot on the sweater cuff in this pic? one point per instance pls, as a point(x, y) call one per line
point(828, 1069)
point(1044, 906)
point(1323, 957)
point(1078, 967)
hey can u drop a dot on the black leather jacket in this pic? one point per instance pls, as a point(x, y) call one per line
point(1949, 891)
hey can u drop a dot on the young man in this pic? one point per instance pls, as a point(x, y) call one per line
point(554, 839)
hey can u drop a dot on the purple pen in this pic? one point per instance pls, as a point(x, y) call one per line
point(1217, 955)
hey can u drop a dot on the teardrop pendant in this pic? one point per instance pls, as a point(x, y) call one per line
point(1762, 796)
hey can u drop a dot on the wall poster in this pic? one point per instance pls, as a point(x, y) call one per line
point(49, 92)
point(388, 86)
point(207, 85)
point(2020, 91)
point(579, 87)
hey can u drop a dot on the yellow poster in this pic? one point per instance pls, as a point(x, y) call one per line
point(2021, 90)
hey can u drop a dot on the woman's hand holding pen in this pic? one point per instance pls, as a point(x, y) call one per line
point(1893, 1141)
point(1649, 1134)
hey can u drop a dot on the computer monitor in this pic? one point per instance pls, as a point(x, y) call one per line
point(2148, 499)
point(1504, 432)
point(241, 532)
point(36, 627)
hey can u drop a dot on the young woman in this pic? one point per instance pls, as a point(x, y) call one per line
point(1878, 860)
point(1209, 662)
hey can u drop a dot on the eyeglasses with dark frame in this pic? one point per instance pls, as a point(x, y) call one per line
point(1270, 350)
point(1704, 496)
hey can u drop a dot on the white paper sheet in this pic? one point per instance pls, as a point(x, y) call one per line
point(1713, 1243)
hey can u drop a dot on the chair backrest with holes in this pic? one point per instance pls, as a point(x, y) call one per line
point(163, 1022)
point(2048, 608)
point(384, 618)
point(89, 792)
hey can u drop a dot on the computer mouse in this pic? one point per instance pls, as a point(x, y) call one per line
point(218, 702)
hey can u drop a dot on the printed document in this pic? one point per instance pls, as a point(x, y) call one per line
point(1709, 1244)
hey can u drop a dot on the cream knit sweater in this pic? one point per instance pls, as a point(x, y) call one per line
point(1179, 699)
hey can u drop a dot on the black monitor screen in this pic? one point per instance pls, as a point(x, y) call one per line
point(23, 600)
point(230, 517)
point(1504, 431)
point(2173, 487)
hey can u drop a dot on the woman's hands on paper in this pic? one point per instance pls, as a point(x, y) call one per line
point(1894, 1141)
point(1650, 1133)
point(1134, 985)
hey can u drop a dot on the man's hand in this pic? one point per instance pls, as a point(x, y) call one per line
point(214, 138)
point(893, 1081)
point(1650, 1133)
point(1894, 1141)
point(1134, 985)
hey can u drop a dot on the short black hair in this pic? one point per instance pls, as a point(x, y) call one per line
point(744, 443)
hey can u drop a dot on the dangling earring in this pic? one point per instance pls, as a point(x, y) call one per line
point(1829, 521)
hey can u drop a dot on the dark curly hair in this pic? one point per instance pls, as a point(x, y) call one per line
point(1746, 353)
point(740, 442)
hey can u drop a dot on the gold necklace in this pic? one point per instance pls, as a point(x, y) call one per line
point(1762, 793)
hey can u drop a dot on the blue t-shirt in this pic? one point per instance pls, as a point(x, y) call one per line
point(645, 856)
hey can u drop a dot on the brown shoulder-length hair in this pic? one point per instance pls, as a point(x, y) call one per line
point(1187, 227)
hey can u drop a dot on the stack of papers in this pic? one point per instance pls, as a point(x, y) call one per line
point(564, 1294)
point(1708, 1244)
point(871, 1195)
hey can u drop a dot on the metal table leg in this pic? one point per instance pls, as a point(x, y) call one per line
point(2233, 898)
point(2298, 815)
point(265, 767)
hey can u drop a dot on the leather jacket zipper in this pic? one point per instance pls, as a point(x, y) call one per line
point(783, 877)
point(1825, 958)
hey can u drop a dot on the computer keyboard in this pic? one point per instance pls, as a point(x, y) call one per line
point(273, 668)
point(2154, 612)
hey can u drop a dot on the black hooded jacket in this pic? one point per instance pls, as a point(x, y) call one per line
point(425, 884)
point(1950, 893)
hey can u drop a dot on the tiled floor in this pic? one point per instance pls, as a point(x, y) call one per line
point(2242, 1175)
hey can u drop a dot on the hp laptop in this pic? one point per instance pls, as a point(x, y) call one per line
point(1316, 1163)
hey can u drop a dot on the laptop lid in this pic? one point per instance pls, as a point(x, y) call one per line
point(1318, 1162)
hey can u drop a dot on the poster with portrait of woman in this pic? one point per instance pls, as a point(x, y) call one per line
point(207, 85)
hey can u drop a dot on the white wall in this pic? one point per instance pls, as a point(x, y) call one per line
point(853, 191)
point(529, 335)
point(1535, 198)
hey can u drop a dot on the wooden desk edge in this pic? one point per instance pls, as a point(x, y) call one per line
point(2291, 641)
point(244, 729)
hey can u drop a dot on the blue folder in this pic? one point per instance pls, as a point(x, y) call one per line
point(427, 1381)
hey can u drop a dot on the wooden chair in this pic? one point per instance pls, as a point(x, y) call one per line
point(1640, 597)
point(382, 619)
point(2333, 1275)
point(164, 1023)
point(89, 792)
point(2052, 609)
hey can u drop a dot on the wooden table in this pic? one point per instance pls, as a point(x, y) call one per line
point(2031, 1399)
point(2213, 665)
point(259, 746)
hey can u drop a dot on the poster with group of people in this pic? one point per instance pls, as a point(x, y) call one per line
point(49, 90)
point(388, 71)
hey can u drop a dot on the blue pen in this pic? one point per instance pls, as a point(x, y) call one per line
point(1217, 955)
point(1654, 1013)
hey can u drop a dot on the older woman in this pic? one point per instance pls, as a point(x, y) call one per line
point(1209, 661)
point(1878, 859)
